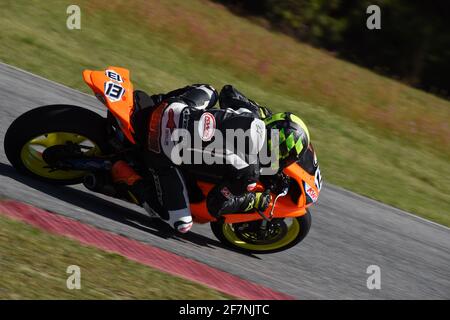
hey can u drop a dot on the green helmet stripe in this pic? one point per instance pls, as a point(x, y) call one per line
point(282, 135)
point(299, 146)
point(290, 143)
point(299, 121)
point(275, 117)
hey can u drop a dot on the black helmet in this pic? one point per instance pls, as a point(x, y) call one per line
point(294, 136)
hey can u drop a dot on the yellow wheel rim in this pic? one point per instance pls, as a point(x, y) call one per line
point(292, 233)
point(31, 154)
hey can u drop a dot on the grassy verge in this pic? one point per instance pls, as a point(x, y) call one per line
point(373, 135)
point(33, 265)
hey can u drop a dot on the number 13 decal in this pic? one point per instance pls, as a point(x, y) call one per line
point(113, 91)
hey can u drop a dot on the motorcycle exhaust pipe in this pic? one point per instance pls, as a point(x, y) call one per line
point(99, 183)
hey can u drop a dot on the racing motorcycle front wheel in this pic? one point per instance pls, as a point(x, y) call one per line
point(62, 128)
point(253, 237)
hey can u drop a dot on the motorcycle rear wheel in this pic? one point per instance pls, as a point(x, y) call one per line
point(43, 127)
point(291, 235)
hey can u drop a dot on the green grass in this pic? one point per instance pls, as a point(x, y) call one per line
point(33, 265)
point(373, 135)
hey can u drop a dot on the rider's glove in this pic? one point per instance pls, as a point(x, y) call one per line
point(262, 200)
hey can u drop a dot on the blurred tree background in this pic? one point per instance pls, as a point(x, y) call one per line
point(413, 44)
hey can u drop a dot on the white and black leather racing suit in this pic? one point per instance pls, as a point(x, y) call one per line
point(192, 108)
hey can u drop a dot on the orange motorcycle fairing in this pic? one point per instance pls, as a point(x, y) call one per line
point(114, 88)
point(285, 207)
point(295, 171)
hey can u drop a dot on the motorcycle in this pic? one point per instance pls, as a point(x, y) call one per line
point(67, 144)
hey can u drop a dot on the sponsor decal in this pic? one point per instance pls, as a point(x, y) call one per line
point(206, 126)
point(170, 126)
point(311, 192)
point(170, 123)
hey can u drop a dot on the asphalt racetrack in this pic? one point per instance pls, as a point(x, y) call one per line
point(348, 234)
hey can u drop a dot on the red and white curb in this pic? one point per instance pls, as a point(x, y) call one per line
point(143, 253)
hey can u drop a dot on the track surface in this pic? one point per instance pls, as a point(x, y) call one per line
point(348, 234)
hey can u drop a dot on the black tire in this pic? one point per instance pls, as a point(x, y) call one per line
point(53, 118)
point(304, 222)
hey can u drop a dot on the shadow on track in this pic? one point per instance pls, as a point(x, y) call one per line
point(112, 211)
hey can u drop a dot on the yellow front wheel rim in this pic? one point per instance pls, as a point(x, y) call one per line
point(31, 154)
point(292, 233)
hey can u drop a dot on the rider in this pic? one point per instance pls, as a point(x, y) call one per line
point(156, 117)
